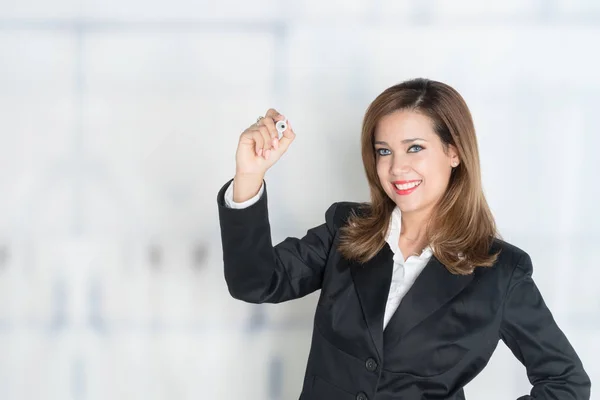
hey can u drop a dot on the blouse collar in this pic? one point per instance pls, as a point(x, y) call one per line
point(393, 235)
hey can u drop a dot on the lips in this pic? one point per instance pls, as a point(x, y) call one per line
point(406, 187)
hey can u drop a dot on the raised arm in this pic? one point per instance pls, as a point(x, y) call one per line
point(258, 272)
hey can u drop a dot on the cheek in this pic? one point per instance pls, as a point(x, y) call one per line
point(429, 166)
point(382, 170)
point(422, 167)
point(384, 177)
point(437, 176)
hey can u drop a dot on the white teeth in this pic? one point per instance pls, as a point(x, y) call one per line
point(407, 186)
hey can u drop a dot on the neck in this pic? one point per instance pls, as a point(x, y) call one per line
point(412, 227)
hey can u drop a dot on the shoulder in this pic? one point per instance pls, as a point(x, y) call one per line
point(509, 254)
point(512, 261)
point(338, 213)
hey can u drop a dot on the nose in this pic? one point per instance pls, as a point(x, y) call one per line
point(400, 165)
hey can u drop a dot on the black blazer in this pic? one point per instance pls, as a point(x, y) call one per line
point(441, 336)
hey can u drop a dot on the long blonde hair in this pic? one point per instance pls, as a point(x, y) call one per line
point(461, 228)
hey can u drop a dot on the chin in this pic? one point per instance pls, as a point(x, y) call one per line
point(408, 205)
point(404, 209)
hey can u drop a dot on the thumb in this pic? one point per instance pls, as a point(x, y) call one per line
point(287, 138)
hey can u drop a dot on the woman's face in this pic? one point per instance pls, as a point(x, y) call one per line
point(412, 166)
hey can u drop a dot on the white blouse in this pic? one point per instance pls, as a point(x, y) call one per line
point(404, 273)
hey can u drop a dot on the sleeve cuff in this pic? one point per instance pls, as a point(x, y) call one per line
point(232, 204)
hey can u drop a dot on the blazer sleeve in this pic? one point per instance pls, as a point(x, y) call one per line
point(529, 330)
point(258, 272)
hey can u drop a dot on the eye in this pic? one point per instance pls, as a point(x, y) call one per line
point(415, 146)
point(380, 150)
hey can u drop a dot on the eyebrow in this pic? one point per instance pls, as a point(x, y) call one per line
point(404, 141)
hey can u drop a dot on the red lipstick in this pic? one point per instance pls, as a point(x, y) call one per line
point(406, 191)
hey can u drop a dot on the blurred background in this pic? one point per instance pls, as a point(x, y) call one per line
point(119, 121)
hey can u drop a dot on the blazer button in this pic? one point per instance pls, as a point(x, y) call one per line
point(371, 365)
point(361, 396)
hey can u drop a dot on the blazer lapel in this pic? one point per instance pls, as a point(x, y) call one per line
point(372, 282)
point(433, 288)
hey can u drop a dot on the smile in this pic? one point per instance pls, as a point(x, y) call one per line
point(404, 187)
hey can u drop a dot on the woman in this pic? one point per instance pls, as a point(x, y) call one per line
point(417, 288)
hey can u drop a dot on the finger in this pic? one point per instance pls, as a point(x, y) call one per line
point(274, 133)
point(270, 124)
point(275, 115)
point(257, 137)
point(289, 132)
point(256, 124)
point(267, 144)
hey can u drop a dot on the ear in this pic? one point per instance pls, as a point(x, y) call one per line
point(453, 156)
